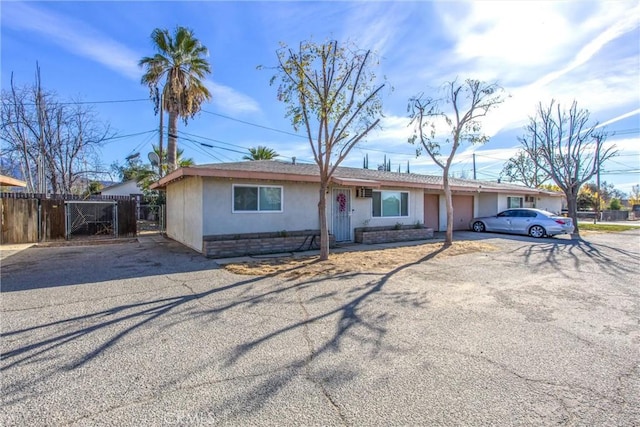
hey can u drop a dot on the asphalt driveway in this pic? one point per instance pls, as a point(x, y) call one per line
point(537, 332)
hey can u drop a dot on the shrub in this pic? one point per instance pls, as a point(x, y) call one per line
point(615, 205)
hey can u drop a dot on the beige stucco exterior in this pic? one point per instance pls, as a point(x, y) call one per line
point(362, 210)
point(487, 204)
point(299, 208)
point(200, 203)
point(202, 206)
point(184, 212)
point(123, 189)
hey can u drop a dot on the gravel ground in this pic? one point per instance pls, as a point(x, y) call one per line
point(537, 332)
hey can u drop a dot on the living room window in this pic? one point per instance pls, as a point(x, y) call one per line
point(390, 203)
point(257, 198)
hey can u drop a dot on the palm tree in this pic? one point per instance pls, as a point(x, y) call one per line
point(179, 62)
point(260, 153)
point(181, 162)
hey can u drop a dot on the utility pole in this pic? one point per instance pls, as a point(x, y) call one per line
point(597, 215)
point(41, 158)
point(474, 166)
point(161, 137)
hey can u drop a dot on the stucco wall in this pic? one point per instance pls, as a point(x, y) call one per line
point(123, 189)
point(364, 211)
point(184, 212)
point(547, 203)
point(300, 202)
point(361, 214)
point(486, 204)
point(551, 204)
point(300, 207)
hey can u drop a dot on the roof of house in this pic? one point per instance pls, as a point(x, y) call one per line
point(121, 184)
point(11, 182)
point(300, 172)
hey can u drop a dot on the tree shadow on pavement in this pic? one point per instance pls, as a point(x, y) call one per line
point(66, 332)
point(352, 322)
point(58, 341)
point(555, 253)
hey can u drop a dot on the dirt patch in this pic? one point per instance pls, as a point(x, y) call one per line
point(374, 261)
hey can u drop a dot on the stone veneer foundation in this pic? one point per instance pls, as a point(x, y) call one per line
point(232, 245)
point(405, 233)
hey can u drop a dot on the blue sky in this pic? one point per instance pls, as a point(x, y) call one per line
point(583, 50)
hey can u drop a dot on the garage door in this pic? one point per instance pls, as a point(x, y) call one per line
point(462, 211)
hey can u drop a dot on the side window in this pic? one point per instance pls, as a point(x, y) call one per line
point(257, 198)
point(531, 214)
point(514, 202)
point(505, 214)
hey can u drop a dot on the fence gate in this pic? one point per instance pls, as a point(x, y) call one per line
point(91, 218)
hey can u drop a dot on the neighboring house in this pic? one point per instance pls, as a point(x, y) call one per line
point(127, 188)
point(206, 201)
point(7, 181)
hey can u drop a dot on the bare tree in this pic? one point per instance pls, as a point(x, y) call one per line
point(469, 102)
point(564, 145)
point(331, 92)
point(521, 168)
point(53, 142)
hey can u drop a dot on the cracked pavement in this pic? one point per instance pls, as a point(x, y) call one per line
point(538, 332)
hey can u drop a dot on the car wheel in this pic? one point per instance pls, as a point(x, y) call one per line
point(478, 227)
point(537, 231)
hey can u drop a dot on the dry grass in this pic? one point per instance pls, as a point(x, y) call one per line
point(375, 261)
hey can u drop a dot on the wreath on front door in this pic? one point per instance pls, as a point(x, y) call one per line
point(342, 202)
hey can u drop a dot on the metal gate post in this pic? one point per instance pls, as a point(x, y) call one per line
point(40, 226)
point(67, 220)
point(115, 219)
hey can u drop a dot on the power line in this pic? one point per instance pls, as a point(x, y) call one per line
point(254, 124)
point(111, 138)
point(196, 147)
point(112, 101)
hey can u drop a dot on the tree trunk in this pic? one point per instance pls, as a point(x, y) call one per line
point(448, 239)
point(324, 229)
point(172, 144)
point(572, 207)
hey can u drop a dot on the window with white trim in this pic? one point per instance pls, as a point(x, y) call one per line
point(390, 204)
point(514, 202)
point(257, 198)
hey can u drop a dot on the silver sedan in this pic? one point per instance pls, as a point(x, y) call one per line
point(534, 222)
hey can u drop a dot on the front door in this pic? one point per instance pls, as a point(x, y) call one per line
point(432, 211)
point(341, 218)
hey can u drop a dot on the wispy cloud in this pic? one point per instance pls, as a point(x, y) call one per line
point(377, 26)
point(85, 41)
point(622, 25)
point(228, 99)
point(72, 35)
point(542, 51)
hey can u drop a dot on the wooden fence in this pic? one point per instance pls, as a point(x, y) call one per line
point(40, 218)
